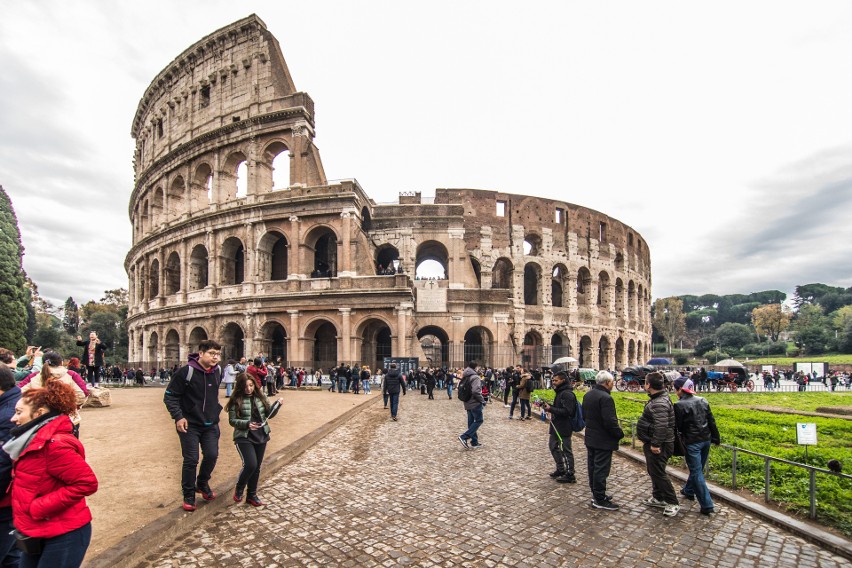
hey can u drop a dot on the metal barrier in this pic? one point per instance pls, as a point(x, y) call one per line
point(767, 459)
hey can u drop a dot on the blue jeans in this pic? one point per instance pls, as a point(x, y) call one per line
point(450, 390)
point(229, 387)
point(365, 384)
point(394, 402)
point(64, 550)
point(696, 459)
point(474, 421)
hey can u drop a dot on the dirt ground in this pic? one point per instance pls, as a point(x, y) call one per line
point(134, 450)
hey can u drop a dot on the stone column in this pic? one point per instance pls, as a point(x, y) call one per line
point(402, 338)
point(249, 260)
point(294, 256)
point(346, 334)
point(294, 352)
point(161, 276)
point(345, 267)
point(457, 342)
point(183, 266)
point(457, 252)
point(501, 351)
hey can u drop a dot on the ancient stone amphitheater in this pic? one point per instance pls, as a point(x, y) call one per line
point(239, 236)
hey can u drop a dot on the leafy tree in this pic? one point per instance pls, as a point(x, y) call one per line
point(845, 344)
point(770, 320)
point(842, 317)
point(70, 316)
point(733, 335)
point(669, 320)
point(704, 345)
point(812, 294)
point(13, 295)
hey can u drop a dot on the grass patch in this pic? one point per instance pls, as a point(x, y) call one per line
point(835, 359)
point(775, 435)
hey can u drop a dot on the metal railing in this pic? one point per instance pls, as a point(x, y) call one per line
point(767, 468)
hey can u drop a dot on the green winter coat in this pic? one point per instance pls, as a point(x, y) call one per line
point(241, 422)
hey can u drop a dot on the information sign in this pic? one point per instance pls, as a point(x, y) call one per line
point(806, 434)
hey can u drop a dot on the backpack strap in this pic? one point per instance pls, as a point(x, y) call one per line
point(189, 373)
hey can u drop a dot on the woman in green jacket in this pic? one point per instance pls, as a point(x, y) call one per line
point(247, 412)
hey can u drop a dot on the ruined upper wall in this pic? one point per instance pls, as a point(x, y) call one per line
point(234, 74)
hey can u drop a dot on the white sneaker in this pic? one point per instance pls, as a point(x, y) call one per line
point(671, 510)
point(656, 503)
point(506, 406)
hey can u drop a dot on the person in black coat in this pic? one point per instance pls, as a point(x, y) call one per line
point(564, 407)
point(392, 384)
point(93, 356)
point(602, 435)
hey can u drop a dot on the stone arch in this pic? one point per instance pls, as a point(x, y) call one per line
point(501, 274)
point(531, 352)
point(157, 206)
point(177, 197)
point(532, 284)
point(278, 159)
point(631, 352)
point(584, 286)
point(387, 259)
point(435, 343)
point(631, 300)
point(620, 361)
point(231, 185)
point(172, 347)
point(478, 345)
point(604, 291)
point(560, 346)
point(201, 192)
point(171, 275)
point(585, 355)
point(430, 255)
point(559, 286)
point(321, 336)
point(233, 341)
point(274, 340)
point(196, 336)
point(199, 263)
point(604, 347)
point(153, 347)
point(145, 218)
point(477, 270)
point(619, 261)
point(619, 297)
point(366, 219)
point(532, 244)
point(154, 279)
point(272, 256)
point(233, 262)
point(322, 242)
point(374, 334)
point(640, 353)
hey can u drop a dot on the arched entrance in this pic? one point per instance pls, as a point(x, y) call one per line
point(531, 353)
point(172, 348)
point(477, 346)
point(432, 261)
point(233, 261)
point(196, 336)
point(603, 353)
point(323, 334)
point(586, 352)
point(435, 344)
point(153, 346)
point(275, 340)
point(619, 354)
point(375, 338)
point(323, 242)
point(233, 342)
point(560, 346)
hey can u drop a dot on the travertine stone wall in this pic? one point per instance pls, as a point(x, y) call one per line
point(293, 271)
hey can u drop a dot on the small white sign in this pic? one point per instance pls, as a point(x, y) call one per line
point(806, 434)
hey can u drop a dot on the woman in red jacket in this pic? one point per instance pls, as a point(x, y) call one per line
point(51, 480)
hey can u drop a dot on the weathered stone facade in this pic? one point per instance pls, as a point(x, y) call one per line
point(224, 247)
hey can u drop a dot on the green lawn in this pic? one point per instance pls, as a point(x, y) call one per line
point(772, 434)
point(835, 359)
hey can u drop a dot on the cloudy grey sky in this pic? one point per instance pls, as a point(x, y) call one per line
point(721, 131)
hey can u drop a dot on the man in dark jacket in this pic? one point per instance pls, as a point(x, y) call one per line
point(93, 356)
point(564, 407)
point(393, 384)
point(602, 435)
point(192, 398)
point(473, 406)
point(9, 396)
point(656, 430)
point(697, 427)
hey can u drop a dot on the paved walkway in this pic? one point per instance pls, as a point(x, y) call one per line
point(382, 493)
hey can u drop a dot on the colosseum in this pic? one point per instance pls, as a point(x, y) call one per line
point(239, 236)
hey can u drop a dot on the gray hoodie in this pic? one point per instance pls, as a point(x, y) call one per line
point(475, 389)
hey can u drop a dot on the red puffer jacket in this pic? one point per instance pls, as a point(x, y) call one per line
point(50, 482)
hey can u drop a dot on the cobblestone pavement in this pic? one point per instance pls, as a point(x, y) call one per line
point(383, 493)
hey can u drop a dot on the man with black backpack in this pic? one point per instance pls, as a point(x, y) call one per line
point(563, 409)
point(192, 398)
point(470, 393)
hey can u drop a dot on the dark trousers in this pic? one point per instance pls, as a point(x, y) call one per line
point(208, 439)
point(429, 391)
point(65, 550)
point(10, 556)
point(93, 374)
point(562, 452)
point(661, 485)
point(525, 405)
point(394, 403)
point(599, 463)
point(252, 458)
point(514, 402)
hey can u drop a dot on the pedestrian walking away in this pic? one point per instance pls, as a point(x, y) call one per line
point(601, 438)
point(392, 385)
point(564, 407)
point(697, 428)
point(192, 399)
point(249, 412)
point(656, 429)
point(470, 393)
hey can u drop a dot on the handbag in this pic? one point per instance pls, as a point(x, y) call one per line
point(679, 446)
point(30, 545)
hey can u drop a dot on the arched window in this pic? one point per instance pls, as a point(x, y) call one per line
point(154, 278)
point(604, 291)
point(557, 286)
point(387, 260)
point(233, 261)
point(233, 178)
point(323, 241)
point(242, 179)
point(532, 245)
point(584, 286)
point(432, 261)
point(477, 271)
point(198, 268)
point(172, 274)
point(532, 278)
point(177, 203)
point(202, 187)
point(232, 342)
point(280, 167)
point(272, 256)
point(501, 274)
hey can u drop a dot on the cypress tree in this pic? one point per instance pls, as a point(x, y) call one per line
point(70, 316)
point(13, 294)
